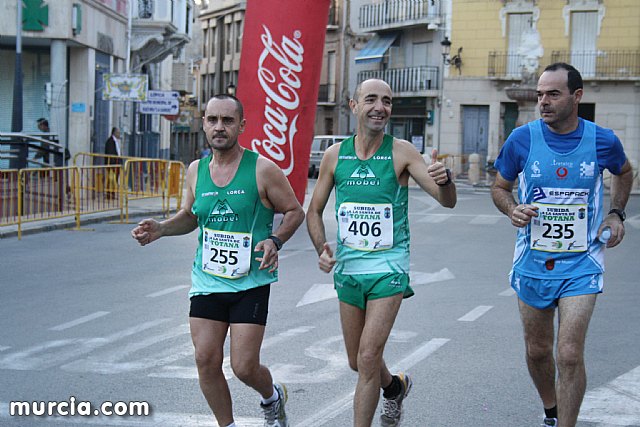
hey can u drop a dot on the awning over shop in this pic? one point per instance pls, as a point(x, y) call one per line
point(376, 48)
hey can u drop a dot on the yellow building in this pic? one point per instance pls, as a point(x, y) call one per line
point(501, 42)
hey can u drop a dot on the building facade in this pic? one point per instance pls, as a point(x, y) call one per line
point(508, 43)
point(67, 48)
point(399, 41)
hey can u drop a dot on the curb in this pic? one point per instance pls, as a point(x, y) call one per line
point(65, 223)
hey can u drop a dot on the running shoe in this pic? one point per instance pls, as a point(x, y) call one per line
point(549, 422)
point(274, 414)
point(392, 407)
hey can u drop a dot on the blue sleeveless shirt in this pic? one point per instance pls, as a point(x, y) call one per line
point(567, 189)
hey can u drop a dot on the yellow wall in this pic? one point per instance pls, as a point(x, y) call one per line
point(476, 26)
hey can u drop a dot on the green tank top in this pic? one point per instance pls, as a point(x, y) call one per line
point(372, 212)
point(232, 220)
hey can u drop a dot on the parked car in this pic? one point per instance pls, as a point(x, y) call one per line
point(318, 146)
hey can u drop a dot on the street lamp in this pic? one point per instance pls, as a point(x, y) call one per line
point(446, 50)
point(455, 60)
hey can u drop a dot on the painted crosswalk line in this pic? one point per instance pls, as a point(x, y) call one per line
point(330, 412)
point(614, 404)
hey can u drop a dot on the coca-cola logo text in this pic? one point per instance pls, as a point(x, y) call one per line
point(281, 98)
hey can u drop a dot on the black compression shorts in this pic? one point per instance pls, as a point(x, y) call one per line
point(250, 306)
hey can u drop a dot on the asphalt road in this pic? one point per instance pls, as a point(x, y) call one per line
point(92, 317)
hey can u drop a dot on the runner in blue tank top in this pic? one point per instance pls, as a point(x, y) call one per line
point(559, 257)
point(231, 197)
point(370, 172)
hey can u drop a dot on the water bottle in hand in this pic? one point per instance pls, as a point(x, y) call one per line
point(605, 235)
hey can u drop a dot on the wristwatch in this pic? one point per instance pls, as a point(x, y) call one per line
point(448, 178)
point(276, 241)
point(619, 212)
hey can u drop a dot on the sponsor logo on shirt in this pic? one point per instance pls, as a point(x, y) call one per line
point(567, 193)
point(562, 172)
point(567, 164)
point(363, 175)
point(559, 195)
point(222, 212)
point(587, 170)
point(535, 170)
point(538, 194)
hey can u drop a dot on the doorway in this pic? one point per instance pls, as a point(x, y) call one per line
point(475, 139)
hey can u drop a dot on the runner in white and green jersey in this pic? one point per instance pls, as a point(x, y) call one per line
point(371, 210)
point(370, 172)
point(231, 197)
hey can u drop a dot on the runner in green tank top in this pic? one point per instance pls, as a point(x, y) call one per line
point(231, 197)
point(370, 172)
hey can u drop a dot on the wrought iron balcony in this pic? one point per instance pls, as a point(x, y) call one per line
point(602, 64)
point(417, 81)
point(391, 14)
point(599, 65)
point(505, 65)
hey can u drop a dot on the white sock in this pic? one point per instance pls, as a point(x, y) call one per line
point(233, 424)
point(272, 399)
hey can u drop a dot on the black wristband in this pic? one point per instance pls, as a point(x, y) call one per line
point(620, 212)
point(276, 241)
point(448, 178)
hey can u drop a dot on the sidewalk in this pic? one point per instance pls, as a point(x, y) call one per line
point(138, 209)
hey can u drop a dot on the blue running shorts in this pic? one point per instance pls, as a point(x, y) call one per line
point(545, 293)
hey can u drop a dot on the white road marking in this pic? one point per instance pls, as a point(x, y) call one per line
point(52, 353)
point(422, 278)
point(288, 254)
point(4, 347)
point(167, 419)
point(318, 292)
point(507, 293)
point(79, 321)
point(328, 350)
point(475, 313)
point(190, 372)
point(486, 219)
point(167, 291)
point(427, 200)
point(614, 404)
point(112, 361)
point(333, 410)
point(435, 218)
point(634, 221)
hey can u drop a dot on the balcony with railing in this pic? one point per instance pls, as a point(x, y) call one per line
point(327, 94)
point(600, 65)
point(412, 81)
point(393, 14)
point(503, 65)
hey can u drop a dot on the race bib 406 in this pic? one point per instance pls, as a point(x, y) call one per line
point(366, 227)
